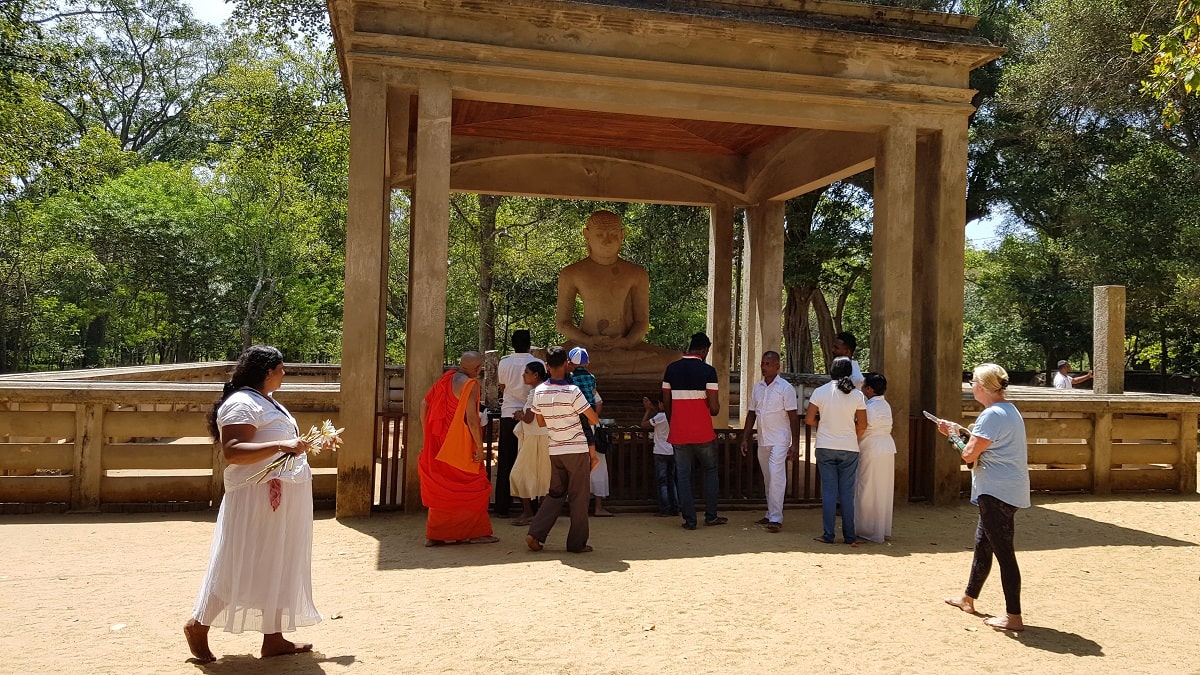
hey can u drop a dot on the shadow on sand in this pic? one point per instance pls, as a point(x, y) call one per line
point(919, 529)
point(1056, 641)
point(236, 664)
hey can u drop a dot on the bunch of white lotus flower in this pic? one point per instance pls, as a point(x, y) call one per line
point(325, 436)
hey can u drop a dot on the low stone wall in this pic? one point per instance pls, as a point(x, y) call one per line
point(94, 444)
point(86, 441)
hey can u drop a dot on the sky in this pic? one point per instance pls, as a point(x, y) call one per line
point(980, 233)
point(211, 11)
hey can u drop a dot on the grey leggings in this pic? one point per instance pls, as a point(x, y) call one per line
point(994, 536)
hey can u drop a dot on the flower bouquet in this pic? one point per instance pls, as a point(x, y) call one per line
point(323, 437)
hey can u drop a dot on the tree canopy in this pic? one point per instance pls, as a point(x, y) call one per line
point(173, 191)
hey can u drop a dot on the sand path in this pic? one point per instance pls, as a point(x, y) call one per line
point(1110, 586)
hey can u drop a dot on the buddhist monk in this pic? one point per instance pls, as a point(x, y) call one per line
point(454, 485)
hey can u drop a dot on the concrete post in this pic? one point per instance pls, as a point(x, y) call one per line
point(1108, 339)
point(427, 264)
point(762, 310)
point(366, 268)
point(892, 277)
point(720, 300)
point(940, 389)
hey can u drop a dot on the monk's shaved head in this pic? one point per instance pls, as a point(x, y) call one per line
point(470, 358)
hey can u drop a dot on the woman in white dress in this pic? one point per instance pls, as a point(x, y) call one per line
point(260, 566)
point(876, 465)
point(530, 476)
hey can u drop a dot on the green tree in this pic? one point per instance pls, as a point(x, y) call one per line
point(1174, 77)
point(135, 68)
point(278, 167)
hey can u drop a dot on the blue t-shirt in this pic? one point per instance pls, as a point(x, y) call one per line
point(1002, 470)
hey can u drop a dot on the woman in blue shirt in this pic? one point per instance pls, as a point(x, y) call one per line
point(999, 486)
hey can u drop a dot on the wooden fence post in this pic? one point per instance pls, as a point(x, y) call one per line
point(1187, 453)
point(87, 469)
point(1102, 454)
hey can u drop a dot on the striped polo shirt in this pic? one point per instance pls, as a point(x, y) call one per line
point(688, 381)
point(560, 404)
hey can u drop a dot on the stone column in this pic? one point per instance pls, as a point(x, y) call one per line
point(941, 364)
point(892, 280)
point(426, 326)
point(366, 270)
point(1108, 340)
point(762, 288)
point(720, 300)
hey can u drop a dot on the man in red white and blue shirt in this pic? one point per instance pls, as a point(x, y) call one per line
point(690, 400)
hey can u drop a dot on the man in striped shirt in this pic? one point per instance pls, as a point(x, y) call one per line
point(690, 400)
point(558, 404)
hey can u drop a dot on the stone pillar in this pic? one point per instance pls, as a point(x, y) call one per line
point(1108, 340)
point(720, 300)
point(426, 326)
point(941, 294)
point(892, 280)
point(762, 289)
point(366, 272)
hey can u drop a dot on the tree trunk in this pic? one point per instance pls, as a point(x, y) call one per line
point(797, 332)
point(263, 288)
point(825, 327)
point(488, 205)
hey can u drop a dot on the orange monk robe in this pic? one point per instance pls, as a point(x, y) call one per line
point(457, 499)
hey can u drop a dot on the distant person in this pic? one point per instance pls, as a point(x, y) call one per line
point(875, 484)
point(845, 345)
point(1063, 379)
point(664, 458)
point(530, 477)
point(259, 574)
point(838, 411)
point(514, 393)
point(558, 404)
point(999, 486)
point(454, 484)
point(690, 400)
point(773, 408)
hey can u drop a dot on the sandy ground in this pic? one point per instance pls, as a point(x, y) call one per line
point(1110, 586)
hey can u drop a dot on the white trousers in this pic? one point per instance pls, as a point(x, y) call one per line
point(773, 460)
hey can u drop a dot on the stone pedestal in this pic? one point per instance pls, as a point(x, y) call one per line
point(1108, 339)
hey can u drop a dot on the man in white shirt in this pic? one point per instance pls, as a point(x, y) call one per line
point(773, 407)
point(514, 392)
point(844, 345)
point(1063, 379)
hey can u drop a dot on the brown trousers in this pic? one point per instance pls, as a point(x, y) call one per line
point(570, 481)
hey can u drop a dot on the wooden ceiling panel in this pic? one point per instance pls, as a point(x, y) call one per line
point(607, 130)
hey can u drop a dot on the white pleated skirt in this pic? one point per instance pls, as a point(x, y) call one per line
point(599, 477)
point(530, 477)
point(873, 492)
point(260, 567)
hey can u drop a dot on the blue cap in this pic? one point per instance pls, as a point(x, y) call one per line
point(578, 356)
